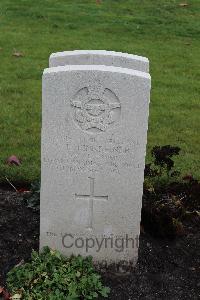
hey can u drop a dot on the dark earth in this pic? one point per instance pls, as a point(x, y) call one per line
point(166, 269)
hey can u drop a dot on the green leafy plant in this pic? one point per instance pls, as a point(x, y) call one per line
point(169, 202)
point(51, 276)
point(32, 198)
point(161, 170)
point(162, 161)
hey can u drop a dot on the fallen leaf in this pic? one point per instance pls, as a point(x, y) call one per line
point(13, 160)
point(183, 4)
point(16, 297)
point(98, 1)
point(18, 54)
point(23, 190)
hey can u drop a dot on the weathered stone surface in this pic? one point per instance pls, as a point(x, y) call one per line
point(94, 132)
point(99, 57)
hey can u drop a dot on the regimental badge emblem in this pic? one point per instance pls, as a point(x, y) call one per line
point(95, 108)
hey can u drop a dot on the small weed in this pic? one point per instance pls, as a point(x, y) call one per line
point(163, 163)
point(169, 202)
point(32, 199)
point(51, 276)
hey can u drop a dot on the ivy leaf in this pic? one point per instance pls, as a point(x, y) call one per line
point(78, 274)
point(105, 291)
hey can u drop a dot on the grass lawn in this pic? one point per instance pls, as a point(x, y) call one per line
point(164, 31)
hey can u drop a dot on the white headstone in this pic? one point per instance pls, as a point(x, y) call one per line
point(94, 133)
point(99, 57)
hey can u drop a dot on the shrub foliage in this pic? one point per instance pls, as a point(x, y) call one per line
point(51, 276)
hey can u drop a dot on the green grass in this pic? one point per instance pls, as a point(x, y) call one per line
point(163, 31)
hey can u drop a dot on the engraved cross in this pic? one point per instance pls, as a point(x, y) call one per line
point(91, 199)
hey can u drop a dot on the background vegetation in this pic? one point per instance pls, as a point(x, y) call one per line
point(167, 32)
